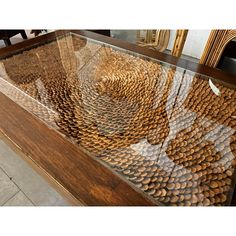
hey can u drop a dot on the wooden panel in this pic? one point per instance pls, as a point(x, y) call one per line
point(180, 39)
point(208, 46)
point(215, 46)
point(84, 177)
point(154, 39)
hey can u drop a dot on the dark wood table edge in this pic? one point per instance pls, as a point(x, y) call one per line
point(32, 144)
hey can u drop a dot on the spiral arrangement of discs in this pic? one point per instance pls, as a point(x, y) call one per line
point(162, 129)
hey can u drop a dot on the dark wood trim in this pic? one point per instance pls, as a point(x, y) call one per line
point(233, 199)
point(103, 32)
point(84, 177)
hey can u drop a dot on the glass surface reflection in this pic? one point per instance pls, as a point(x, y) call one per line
point(161, 128)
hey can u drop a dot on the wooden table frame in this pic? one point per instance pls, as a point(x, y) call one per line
point(84, 178)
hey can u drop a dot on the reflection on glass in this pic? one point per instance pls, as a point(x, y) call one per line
point(162, 128)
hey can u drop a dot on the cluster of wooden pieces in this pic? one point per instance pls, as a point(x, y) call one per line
point(163, 130)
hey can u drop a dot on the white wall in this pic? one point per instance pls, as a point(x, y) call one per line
point(195, 42)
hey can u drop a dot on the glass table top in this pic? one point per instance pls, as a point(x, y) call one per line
point(168, 131)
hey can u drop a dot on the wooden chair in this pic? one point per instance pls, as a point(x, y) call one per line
point(154, 39)
point(216, 43)
point(159, 39)
point(5, 35)
point(180, 38)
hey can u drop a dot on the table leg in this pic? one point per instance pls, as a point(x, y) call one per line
point(7, 42)
point(23, 34)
